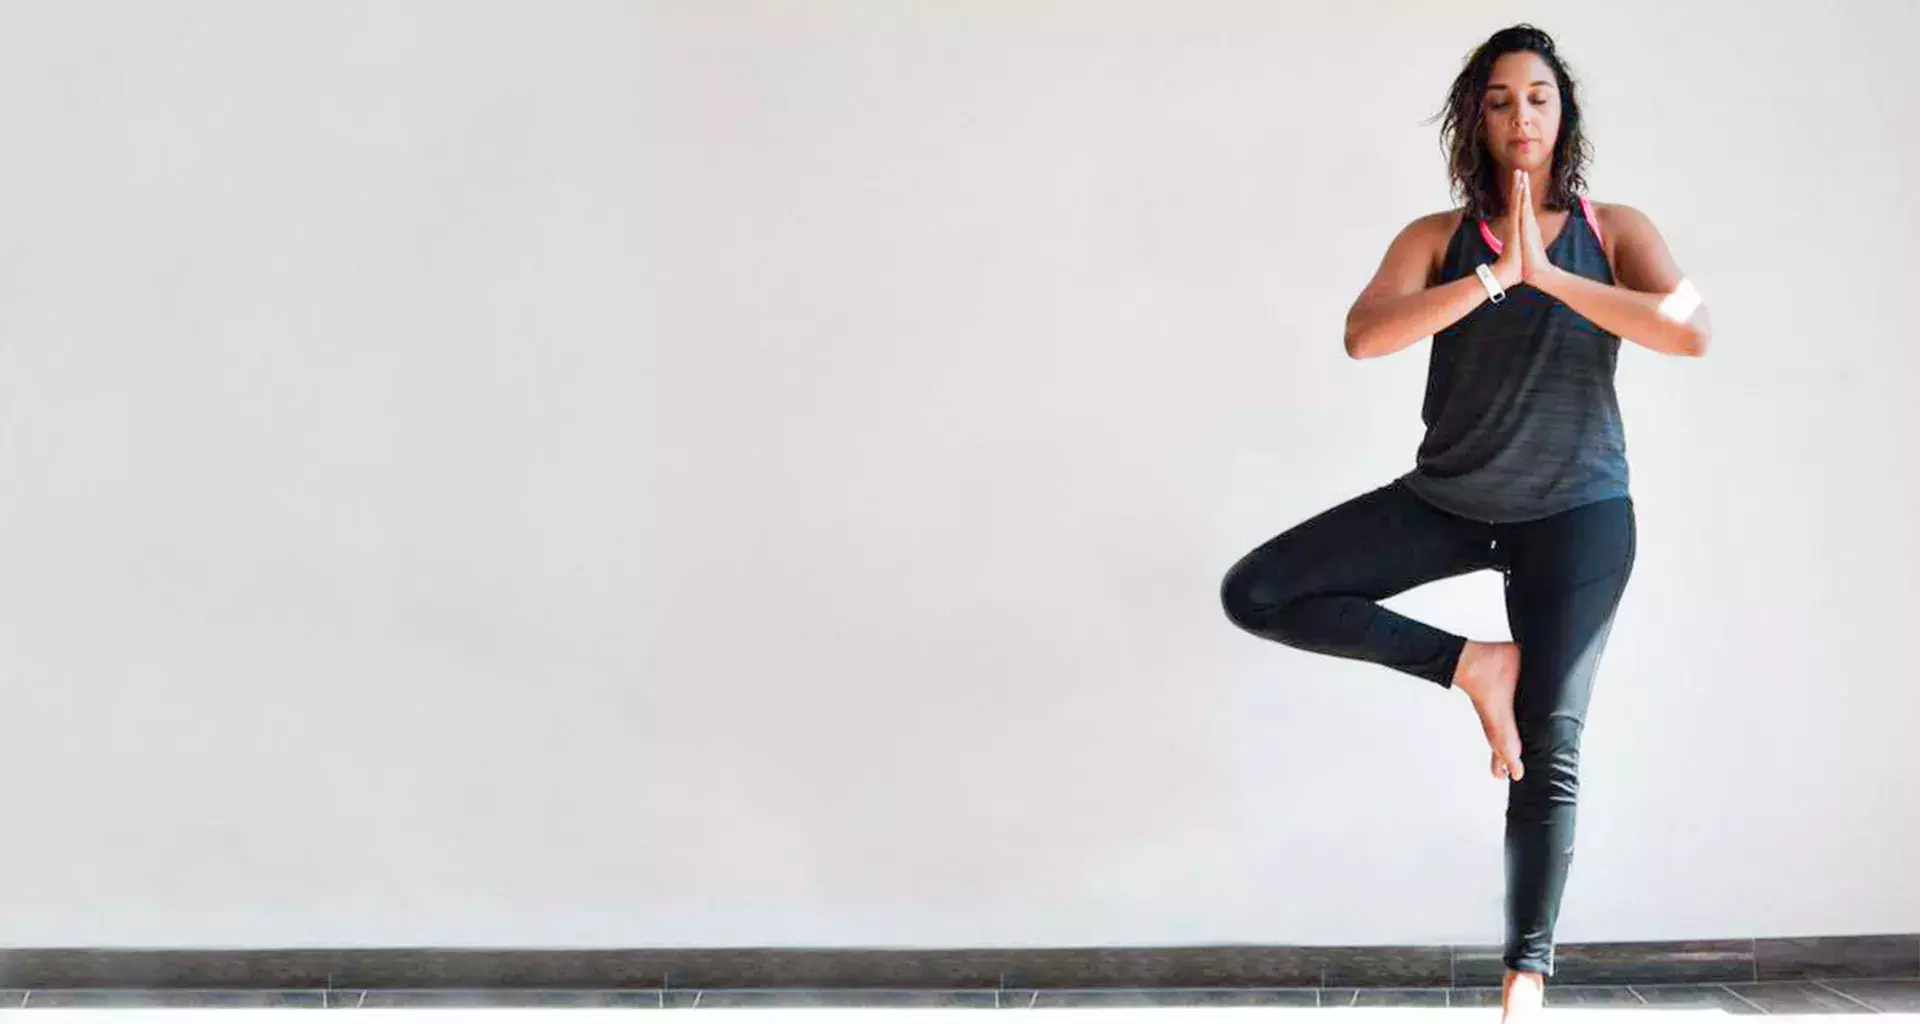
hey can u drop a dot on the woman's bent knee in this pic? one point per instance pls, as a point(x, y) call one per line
point(1252, 596)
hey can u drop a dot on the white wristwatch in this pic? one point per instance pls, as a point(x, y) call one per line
point(1491, 283)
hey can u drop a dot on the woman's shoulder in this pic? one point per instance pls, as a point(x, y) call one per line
point(1429, 231)
point(1618, 215)
point(1618, 221)
point(1435, 233)
point(1441, 225)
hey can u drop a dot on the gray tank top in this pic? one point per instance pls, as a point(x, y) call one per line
point(1522, 420)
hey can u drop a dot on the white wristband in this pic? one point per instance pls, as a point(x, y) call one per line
point(1492, 284)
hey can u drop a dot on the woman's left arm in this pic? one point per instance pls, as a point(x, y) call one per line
point(1653, 304)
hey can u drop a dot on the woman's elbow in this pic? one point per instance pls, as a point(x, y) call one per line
point(1683, 309)
point(1358, 343)
point(1697, 342)
point(1698, 334)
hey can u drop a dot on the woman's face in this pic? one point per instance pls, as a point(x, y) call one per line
point(1522, 112)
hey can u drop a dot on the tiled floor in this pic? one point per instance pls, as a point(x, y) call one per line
point(1593, 1004)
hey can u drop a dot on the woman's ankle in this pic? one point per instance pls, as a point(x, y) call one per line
point(1471, 651)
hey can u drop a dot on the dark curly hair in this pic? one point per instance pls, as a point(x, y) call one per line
point(1463, 132)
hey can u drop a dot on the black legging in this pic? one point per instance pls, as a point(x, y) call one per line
point(1317, 587)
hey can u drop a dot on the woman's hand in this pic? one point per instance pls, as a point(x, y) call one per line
point(1511, 268)
point(1533, 259)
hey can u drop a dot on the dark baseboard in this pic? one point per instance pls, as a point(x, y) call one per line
point(1715, 961)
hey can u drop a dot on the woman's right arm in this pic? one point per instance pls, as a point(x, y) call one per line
point(1397, 308)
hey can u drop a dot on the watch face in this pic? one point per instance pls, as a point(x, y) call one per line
point(1494, 291)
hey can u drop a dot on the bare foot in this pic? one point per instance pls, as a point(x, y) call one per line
point(1523, 997)
point(1488, 674)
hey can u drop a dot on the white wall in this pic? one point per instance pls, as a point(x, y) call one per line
point(708, 473)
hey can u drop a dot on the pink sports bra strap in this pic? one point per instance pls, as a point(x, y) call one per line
point(1492, 240)
point(1593, 220)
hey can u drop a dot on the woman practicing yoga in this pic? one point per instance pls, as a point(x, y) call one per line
point(1526, 290)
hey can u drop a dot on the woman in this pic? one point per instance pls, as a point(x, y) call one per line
point(1526, 290)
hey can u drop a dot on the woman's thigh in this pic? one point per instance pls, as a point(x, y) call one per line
point(1566, 575)
point(1374, 546)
